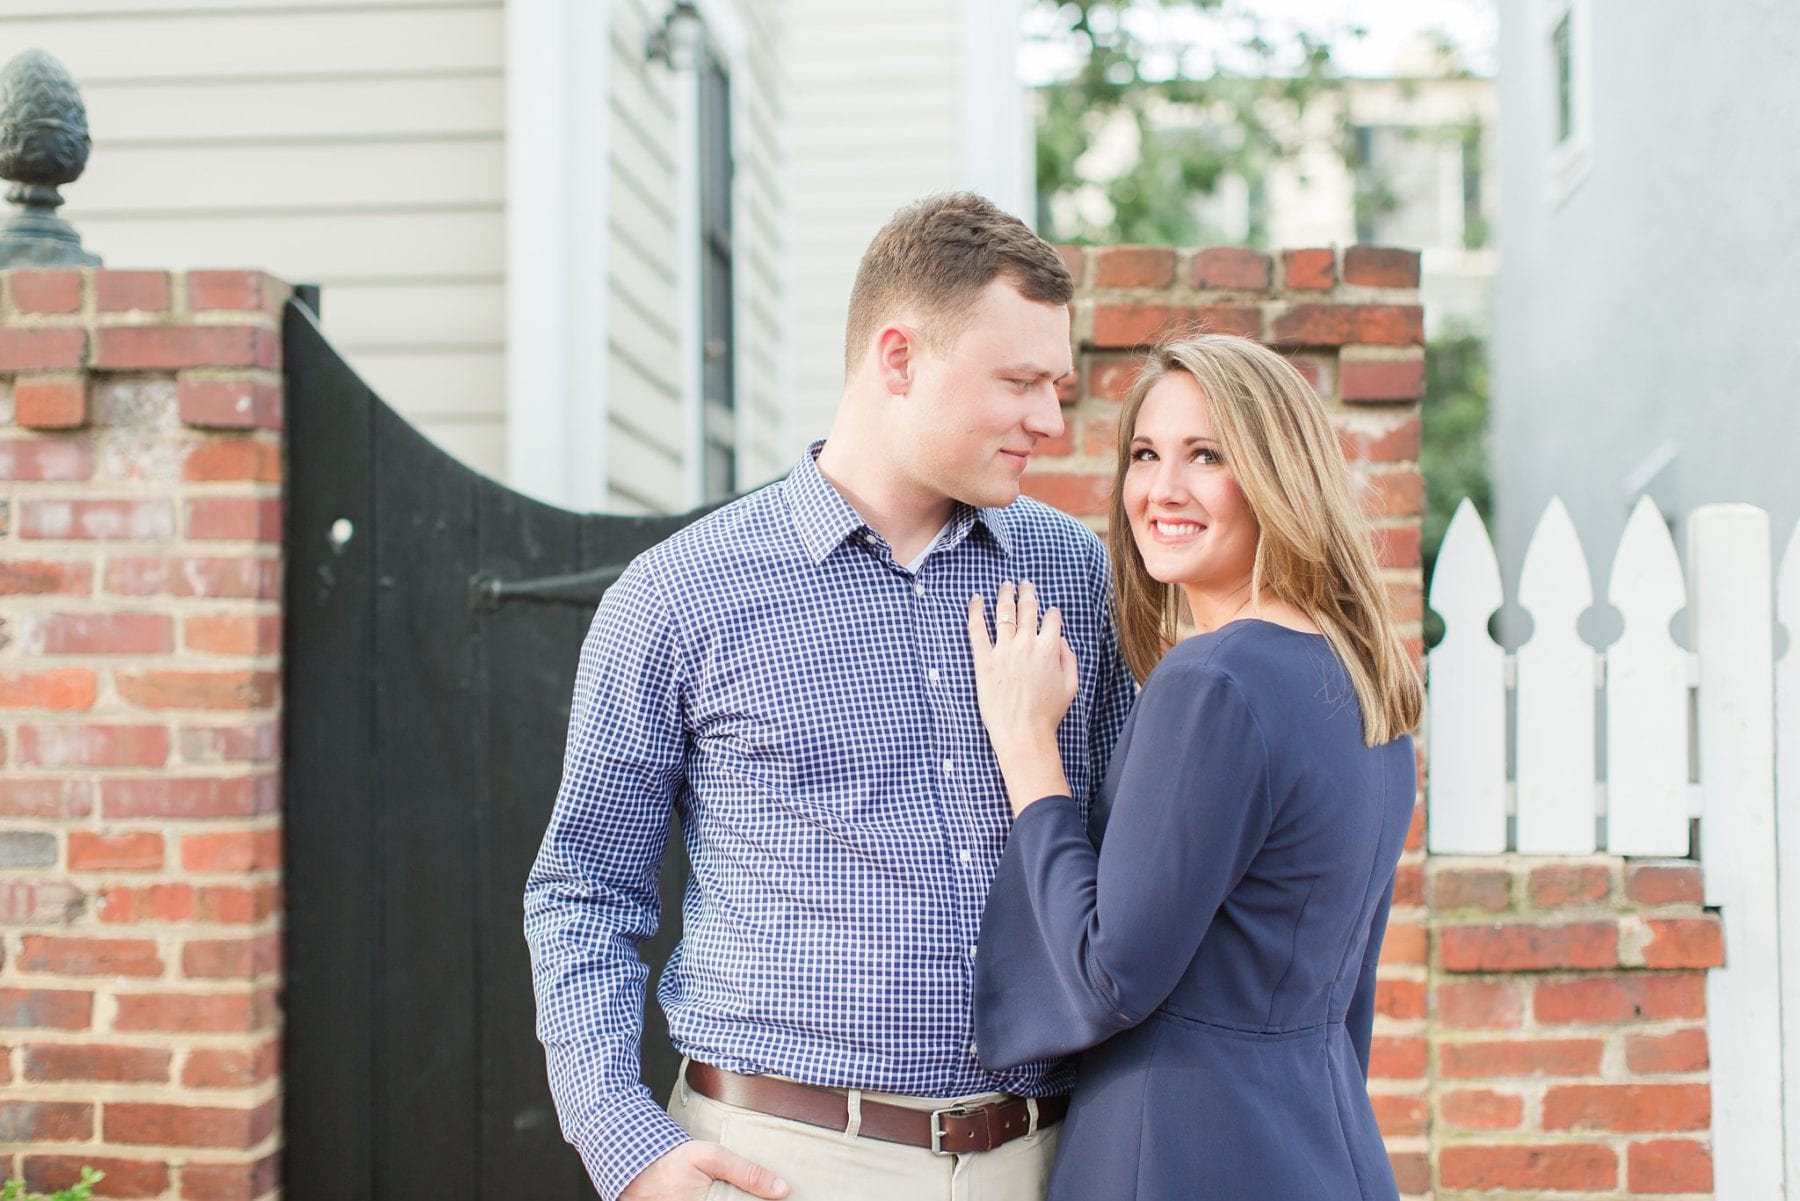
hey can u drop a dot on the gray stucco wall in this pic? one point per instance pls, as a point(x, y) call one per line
point(1658, 305)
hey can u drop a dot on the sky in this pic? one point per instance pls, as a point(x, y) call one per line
point(1389, 28)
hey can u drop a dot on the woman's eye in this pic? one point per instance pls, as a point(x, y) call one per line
point(1208, 457)
point(1143, 454)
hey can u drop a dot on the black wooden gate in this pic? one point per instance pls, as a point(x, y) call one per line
point(433, 623)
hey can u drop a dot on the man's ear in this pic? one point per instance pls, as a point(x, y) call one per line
point(896, 356)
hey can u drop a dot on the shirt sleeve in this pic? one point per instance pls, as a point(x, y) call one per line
point(1359, 1020)
point(591, 898)
point(1078, 943)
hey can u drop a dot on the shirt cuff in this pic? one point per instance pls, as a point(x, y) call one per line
point(624, 1138)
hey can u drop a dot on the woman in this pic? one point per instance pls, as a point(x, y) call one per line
point(1214, 958)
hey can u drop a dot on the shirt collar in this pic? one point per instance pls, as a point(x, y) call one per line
point(823, 518)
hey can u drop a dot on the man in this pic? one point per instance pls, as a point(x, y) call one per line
point(791, 676)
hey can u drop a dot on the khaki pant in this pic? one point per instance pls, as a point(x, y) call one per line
point(832, 1165)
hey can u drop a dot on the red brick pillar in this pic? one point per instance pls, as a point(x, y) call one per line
point(1351, 322)
point(1569, 1027)
point(140, 639)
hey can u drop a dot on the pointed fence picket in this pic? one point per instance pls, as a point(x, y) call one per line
point(1555, 695)
point(1745, 740)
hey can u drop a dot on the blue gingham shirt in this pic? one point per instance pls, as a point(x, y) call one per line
point(806, 704)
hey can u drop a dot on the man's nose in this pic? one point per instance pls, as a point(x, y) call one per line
point(1045, 417)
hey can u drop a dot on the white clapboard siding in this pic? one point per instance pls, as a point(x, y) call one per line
point(1555, 800)
point(1730, 617)
point(1646, 695)
point(1787, 827)
point(1467, 697)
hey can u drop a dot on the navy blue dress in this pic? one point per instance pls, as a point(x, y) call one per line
point(1215, 957)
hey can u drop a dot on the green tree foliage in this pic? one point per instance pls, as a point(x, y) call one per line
point(81, 1190)
point(1141, 63)
point(1453, 447)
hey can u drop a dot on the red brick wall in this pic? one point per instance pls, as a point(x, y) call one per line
point(140, 635)
point(1568, 1030)
point(1351, 322)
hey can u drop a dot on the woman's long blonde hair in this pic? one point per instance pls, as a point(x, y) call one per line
point(1315, 549)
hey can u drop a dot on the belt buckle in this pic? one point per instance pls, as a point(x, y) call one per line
point(937, 1129)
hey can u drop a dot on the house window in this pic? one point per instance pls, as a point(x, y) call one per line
point(1566, 30)
point(718, 343)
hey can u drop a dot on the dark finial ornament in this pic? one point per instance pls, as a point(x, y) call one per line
point(43, 144)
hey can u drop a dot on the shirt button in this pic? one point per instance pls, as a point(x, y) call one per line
point(972, 1050)
point(964, 856)
point(949, 767)
point(971, 956)
point(931, 673)
point(918, 589)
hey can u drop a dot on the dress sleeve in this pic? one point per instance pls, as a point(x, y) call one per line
point(1078, 943)
point(1360, 1019)
point(591, 897)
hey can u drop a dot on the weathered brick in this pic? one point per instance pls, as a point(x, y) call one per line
point(1523, 946)
point(1693, 942)
point(59, 688)
point(1520, 1057)
point(1664, 884)
point(229, 1181)
point(231, 851)
point(231, 1067)
point(70, 956)
point(231, 958)
point(1600, 1000)
point(1111, 378)
point(27, 349)
point(1072, 259)
point(1559, 885)
point(1080, 494)
point(1405, 943)
point(45, 1121)
point(1120, 325)
point(27, 848)
point(1481, 1109)
point(37, 290)
point(112, 520)
point(1399, 1114)
point(1134, 267)
point(50, 403)
point(57, 798)
point(37, 460)
point(1669, 1165)
point(1678, 1051)
point(98, 1062)
point(48, 1008)
point(135, 1178)
point(232, 633)
point(1309, 270)
point(1392, 441)
point(1397, 1057)
point(187, 1125)
point(237, 577)
point(260, 743)
point(189, 797)
point(1234, 269)
point(1381, 267)
point(1398, 546)
point(1343, 324)
point(175, 347)
point(1412, 1172)
point(1564, 1167)
point(126, 851)
point(1391, 493)
point(39, 903)
point(232, 518)
point(187, 1012)
point(209, 290)
point(219, 904)
point(46, 577)
point(222, 459)
point(1628, 1108)
point(198, 689)
point(1401, 1000)
point(126, 291)
point(93, 745)
point(98, 634)
point(1479, 1004)
point(1366, 380)
point(229, 403)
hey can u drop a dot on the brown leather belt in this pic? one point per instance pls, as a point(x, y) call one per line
point(955, 1130)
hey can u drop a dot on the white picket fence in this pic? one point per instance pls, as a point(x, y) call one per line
point(1712, 733)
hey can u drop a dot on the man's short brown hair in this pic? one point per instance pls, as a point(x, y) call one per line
point(933, 260)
